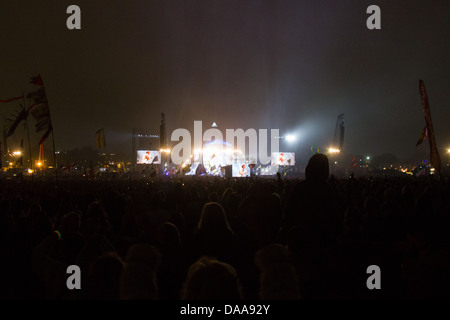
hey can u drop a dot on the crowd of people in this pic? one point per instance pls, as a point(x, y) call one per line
point(199, 238)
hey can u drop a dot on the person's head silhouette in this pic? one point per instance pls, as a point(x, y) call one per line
point(317, 168)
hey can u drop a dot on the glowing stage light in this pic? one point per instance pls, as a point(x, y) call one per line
point(291, 138)
point(333, 150)
point(17, 153)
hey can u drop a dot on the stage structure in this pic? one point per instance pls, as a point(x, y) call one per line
point(219, 158)
point(142, 139)
point(213, 157)
point(217, 154)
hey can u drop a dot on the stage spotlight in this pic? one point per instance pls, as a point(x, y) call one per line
point(333, 150)
point(291, 138)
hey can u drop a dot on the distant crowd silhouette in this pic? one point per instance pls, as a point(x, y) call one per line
point(207, 238)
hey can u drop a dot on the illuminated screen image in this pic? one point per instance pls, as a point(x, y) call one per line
point(240, 170)
point(283, 158)
point(217, 154)
point(148, 157)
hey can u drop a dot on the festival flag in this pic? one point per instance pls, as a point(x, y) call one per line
point(21, 116)
point(100, 138)
point(423, 136)
point(434, 154)
point(39, 108)
point(45, 136)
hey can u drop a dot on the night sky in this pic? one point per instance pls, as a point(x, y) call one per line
point(292, 65)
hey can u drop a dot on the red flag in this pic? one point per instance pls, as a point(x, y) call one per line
point(434, 154)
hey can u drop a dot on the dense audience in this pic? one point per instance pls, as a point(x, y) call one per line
point(203, 237)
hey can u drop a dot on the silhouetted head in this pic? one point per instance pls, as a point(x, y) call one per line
point(96, 213)
point(213, 217)
point(138, 277)
point(168, 235)
point(317, 168)
point(211, 279)
point(70, 223)
point(278, 279)
point(105, 272)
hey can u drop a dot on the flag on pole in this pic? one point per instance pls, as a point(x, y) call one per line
point(21, 116)
point(434, 154)
point(162, 131)
point(39, 108)
point(423, 136)
point(45, 136)
point(100, 138)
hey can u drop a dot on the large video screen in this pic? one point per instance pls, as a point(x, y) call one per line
point(240, 170)
point(283, 159)
point(148, 157)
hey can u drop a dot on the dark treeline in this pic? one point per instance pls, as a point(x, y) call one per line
point(199, 238)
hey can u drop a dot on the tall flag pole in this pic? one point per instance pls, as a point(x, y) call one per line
point(434, 154)
point(12, 128)
point(101, 142)
point(28, 136)
point(100, 138)
point(5, 141)
point(41, 113)
point(20, 160)
point(162, 140)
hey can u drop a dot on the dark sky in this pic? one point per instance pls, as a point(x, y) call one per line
point(292, 65)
